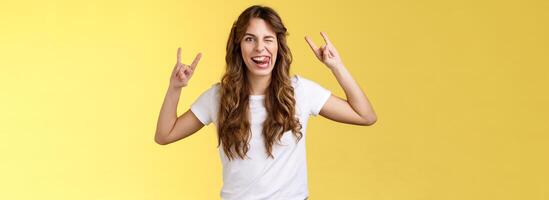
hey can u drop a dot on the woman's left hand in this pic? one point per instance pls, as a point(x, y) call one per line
point(327, 53)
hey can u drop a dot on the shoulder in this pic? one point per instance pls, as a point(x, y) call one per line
point(301, 82)
point(310, 96)
point(215, 86)
point(306, 87)
point(213, 89)
point(211, 93)
point(297, 80)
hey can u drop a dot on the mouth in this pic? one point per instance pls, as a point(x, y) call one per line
point(262, 61)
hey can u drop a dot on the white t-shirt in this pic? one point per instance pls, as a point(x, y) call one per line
point(259, 176)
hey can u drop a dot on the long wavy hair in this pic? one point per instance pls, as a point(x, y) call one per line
point(234, 116)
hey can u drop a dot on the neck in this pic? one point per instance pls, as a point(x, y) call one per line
point(259, 84)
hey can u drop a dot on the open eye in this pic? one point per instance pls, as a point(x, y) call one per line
point(248, 39)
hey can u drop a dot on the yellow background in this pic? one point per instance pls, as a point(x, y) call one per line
point(459, 87)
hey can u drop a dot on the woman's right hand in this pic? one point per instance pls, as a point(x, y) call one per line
point(182, 73)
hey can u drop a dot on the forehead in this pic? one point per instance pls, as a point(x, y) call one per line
point(259, 27)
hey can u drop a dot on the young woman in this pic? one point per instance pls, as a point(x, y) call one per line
point(261, 112)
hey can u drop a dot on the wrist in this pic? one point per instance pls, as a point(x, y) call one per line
point(174, 89)
point(337, 67)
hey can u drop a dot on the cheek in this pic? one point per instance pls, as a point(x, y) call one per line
point(245, 50)
point(274, 47)
point(274, 51)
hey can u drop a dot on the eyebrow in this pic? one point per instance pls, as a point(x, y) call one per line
point(268, 36)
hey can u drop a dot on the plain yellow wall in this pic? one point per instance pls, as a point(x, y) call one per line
point(459, 87)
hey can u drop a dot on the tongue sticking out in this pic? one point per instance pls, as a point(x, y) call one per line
point(263, 61)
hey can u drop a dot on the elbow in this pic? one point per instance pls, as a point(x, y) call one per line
point(368, 121)
point(159, 140)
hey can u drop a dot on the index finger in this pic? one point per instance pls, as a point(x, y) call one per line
point(178, 55)
point(325, 38)
point(195, 61)
point(312, 45)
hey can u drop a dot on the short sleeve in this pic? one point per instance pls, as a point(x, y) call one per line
point(316, 95)
point(203, 106)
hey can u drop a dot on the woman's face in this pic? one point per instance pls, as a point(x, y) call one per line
point(259, 48)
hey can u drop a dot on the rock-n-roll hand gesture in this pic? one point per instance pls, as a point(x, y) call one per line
point(327, 53)
point(182, 73)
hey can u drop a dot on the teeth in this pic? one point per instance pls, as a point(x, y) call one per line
point(261, 58)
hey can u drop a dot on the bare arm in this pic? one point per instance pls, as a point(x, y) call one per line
point(357, 108)
point(169, 127)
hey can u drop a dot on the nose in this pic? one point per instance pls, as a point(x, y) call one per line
point(259, 47)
